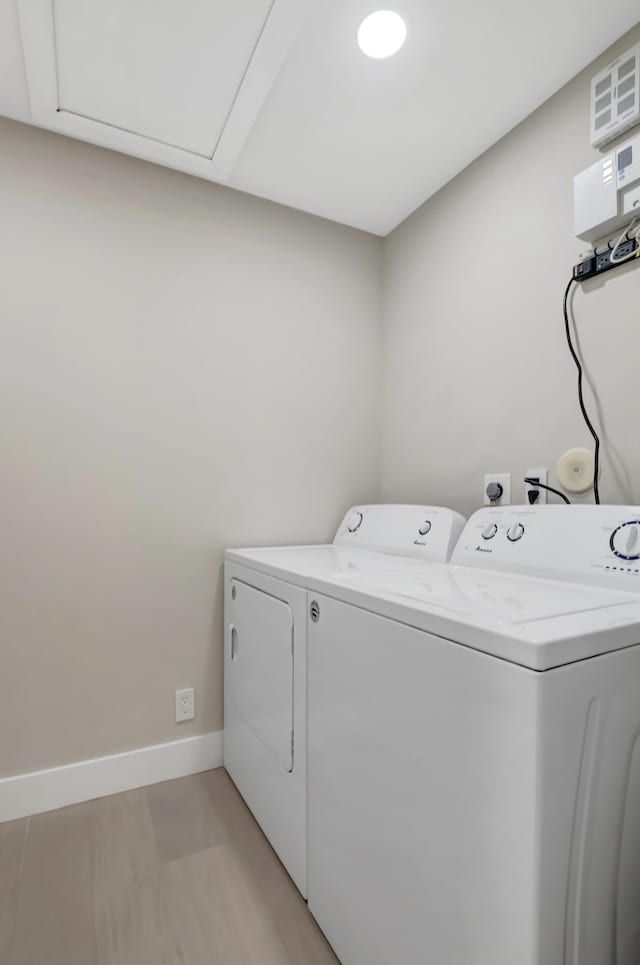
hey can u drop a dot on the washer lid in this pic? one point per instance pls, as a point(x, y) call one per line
point(534, 622)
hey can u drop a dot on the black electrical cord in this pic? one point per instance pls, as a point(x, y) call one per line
point(585, 414)
point(538, 485)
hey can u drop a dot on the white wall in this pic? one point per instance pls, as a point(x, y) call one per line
point(478, 377)
point(182, 368)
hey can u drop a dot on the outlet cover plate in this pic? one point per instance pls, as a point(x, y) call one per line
point(504, 478)
point(185, 704)
point(543, 476)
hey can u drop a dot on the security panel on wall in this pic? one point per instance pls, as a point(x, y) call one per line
point(607, 194)
point(615, 98)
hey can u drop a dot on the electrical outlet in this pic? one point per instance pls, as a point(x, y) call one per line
point(502, 483)
point(597, 264)
point(185, 704)
point(543, 476)
point(625, 250)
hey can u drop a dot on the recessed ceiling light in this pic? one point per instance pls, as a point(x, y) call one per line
point(382, 34)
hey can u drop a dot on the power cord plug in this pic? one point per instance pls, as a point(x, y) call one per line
point(535, 492)
point(494, 492)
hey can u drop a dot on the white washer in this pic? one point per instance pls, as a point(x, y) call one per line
point(265, 659)
point(474, 748)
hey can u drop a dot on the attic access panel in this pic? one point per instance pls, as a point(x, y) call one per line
point(164, 69)
point(179, 82)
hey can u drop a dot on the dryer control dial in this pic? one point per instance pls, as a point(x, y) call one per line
point(625, 540)
point(424, 528)
point(355, 522)
point(515, 532)
point(490, 531)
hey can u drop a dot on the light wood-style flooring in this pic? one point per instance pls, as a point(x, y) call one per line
point(174, 874)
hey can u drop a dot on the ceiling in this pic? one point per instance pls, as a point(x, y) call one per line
point(315, 125)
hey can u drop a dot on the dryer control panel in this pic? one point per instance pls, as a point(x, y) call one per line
point(423, 532)
point(584, 544)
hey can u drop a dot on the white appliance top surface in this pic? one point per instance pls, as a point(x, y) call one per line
point(300, 564)
point(539, 586)
point(495, 599)
point(530, 621)
point(374, 537)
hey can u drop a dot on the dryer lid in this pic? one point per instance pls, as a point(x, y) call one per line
point(299, 564)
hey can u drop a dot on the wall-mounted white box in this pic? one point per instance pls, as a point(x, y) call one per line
point(607, 194)
point(615, 98)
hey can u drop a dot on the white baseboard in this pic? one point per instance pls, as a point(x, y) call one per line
point(38, 791)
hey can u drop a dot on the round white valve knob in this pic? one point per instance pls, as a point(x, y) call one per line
point(354, 522)
point(489, 531)
point(424, 529)
point(575, 470)
point(515, 532)
point(625, 540)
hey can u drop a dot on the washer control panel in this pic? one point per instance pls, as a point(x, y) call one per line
point(587, 544)
point(422, 532)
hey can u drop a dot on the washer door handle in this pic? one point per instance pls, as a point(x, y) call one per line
point(234, 641)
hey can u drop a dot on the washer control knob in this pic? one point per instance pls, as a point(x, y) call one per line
point(625, 540)
point(355, 522)
point(515, 532)
point(424, 529)
point(490, 531)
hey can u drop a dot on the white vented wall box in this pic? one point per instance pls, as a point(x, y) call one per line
point(615, 98)
point(607, 194)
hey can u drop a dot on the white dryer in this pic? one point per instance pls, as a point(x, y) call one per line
point(265, 658)
point(474, 748)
